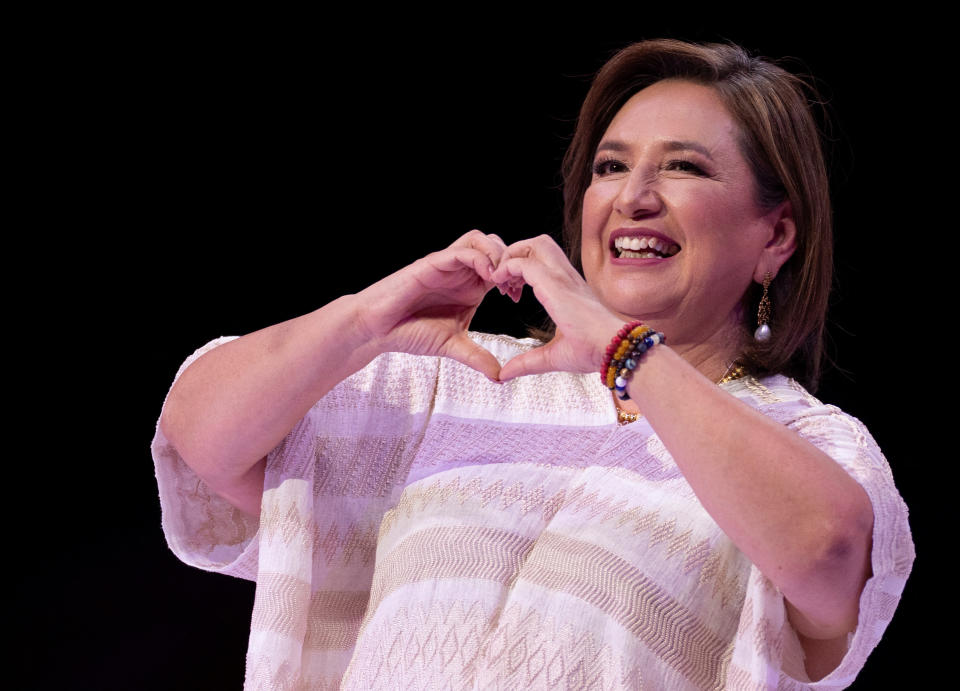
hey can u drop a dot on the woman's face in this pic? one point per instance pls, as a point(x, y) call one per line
point(668, 173)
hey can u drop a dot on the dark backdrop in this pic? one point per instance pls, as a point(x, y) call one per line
point(229, 169)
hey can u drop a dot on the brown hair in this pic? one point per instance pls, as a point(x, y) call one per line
point(781, 143)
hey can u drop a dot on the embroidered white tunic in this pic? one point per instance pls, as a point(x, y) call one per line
point(424, 528)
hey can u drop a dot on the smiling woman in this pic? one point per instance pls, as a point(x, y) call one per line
point(422, 506)
point(775, 136)
point(669, 167)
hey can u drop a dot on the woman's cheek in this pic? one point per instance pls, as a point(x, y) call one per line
point(594, 216)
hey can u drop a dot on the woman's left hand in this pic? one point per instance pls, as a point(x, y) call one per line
point(584, 324)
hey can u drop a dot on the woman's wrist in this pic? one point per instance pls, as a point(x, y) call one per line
point(348, 318)
point(624, 354)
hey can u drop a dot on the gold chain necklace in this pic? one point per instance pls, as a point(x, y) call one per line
point(734, 371)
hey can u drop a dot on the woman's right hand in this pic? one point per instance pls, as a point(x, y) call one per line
point(234, 404)
point(426, 307)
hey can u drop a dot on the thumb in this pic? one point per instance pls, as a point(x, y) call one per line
point(462, 349)
point(534, 361)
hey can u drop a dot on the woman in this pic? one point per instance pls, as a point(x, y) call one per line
point(418, 511)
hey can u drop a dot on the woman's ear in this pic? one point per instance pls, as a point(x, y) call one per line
point(782, 242)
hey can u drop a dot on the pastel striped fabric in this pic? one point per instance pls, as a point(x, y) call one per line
point(423, 528)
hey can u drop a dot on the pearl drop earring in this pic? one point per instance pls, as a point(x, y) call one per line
point(763, 332)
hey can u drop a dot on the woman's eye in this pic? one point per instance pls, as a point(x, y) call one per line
point(684, 166)
point(608, 166)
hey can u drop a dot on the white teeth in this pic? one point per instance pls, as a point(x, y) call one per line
point(631, 246)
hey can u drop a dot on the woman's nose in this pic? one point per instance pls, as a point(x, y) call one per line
point(638, 196)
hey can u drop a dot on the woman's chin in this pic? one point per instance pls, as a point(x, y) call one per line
point(631, 308)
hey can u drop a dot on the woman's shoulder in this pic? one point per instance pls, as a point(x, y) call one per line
point(773, 389)
point(837, 433)
point(787, 401)
point(847, 440)
point(784, 398)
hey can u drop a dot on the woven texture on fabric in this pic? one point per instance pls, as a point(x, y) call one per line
point(424, 528)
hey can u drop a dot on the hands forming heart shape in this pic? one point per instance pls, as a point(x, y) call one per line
point(426, 307)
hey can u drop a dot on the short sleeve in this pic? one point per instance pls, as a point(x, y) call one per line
point(202, 529)
point(767, 653)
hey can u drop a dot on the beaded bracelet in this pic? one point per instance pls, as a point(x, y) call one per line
point(624, 353)
point(617, 349)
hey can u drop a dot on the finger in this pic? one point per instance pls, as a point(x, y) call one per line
point(535, 361)
point(514, 289)
point(455, 258)
point(541, 264)
point(542, 250)
point(463, 349)
point(542, 245)
point(489, 244)
point(517, 250)
point(514, 272)
point(491, 240)
point(467, 239)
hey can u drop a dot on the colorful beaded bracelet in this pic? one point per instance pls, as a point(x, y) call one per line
point(624, 353)
point(625, 338)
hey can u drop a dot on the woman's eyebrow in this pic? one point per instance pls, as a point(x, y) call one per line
point(669, 145)
point(612, 145)
point(675, 145)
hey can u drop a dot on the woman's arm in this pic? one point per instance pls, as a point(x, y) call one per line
point(796, 514)
point(799, 516)
point(232, 406)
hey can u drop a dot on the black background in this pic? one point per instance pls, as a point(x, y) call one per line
point(223, 171)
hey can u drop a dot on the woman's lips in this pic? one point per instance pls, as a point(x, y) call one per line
point(640, 243)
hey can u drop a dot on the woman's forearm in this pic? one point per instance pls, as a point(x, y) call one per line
point(233, 405)
point(789, 507)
